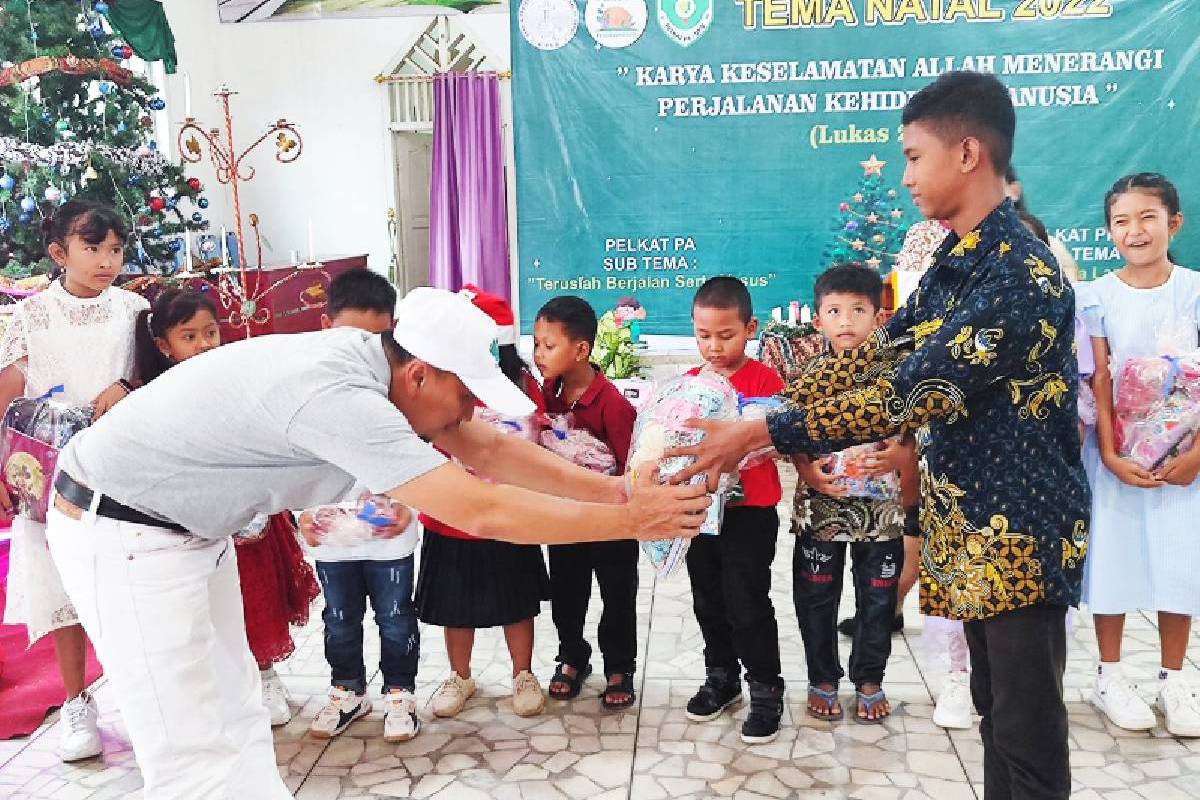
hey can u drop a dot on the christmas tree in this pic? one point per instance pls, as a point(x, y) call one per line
point(76, 121)
point(870, 228)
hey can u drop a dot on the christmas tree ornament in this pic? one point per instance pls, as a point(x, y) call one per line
point(133, 180)
point(105, 87)
point(851, 225)
point(193, 184)
point(157, 104)
point(175, 246)
point(858, 244)
point(872, 217)
point(52, 194)
point(101, 7)
point(5, 224)
point(157, 204)
point(153, 145)
point(858, 198)
point(878, 238)
point(843, 207)
point(202, 202)
point(146, 121)
point(24, 217)
point(172, 203)
point(892, 194)
point(897, 213)
point(7, 182)
point(90, 173)
point(872, 166)
point(197, 217)
point(62, 126)
point(28, 204)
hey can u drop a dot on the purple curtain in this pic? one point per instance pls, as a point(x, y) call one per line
point(468, 226)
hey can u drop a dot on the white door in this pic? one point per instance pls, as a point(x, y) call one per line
point(414, 167)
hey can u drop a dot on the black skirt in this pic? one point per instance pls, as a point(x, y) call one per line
point(479, 583)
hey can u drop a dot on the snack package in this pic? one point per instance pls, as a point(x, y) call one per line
point(348, 524)
point(35, 430)
point(1157, 407)
point(578, 446)
point(846, 465)
point(661, 425)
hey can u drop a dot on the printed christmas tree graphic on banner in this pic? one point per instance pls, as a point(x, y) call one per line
point(871, 224)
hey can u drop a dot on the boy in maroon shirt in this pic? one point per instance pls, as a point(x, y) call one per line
point(731, 572)
point(563, 334)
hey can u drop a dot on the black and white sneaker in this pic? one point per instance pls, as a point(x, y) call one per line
point(766, 709)
point(719, 692)
point(342, 708)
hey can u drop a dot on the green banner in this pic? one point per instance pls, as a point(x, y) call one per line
point(661, 143)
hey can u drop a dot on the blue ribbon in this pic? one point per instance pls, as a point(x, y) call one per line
point(53, 390)
point(372, 514)
point(1172, 374)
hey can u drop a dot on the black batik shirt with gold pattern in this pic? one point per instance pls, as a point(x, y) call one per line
point(989, 390)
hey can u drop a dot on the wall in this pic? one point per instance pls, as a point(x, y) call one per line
point(318, 74)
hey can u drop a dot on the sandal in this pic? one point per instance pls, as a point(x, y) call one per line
point(830, 698)
point(868, 703)
point(624, 686)
point(574, 682)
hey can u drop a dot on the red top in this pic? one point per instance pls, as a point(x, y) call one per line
point(602, 411)
point(761, 483)
point(530, 386)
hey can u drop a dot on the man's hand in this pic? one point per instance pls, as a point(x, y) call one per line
point(1180, 470)
point(723, 447)
point(308, 529)
point(107, 399)
point(888, 460)
point(817, 478)
point(665, 512)
point(1130, 473)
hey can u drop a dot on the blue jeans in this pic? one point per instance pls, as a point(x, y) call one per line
point(389, 584)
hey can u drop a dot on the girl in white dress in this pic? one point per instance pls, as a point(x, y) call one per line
point(78, 333)
point(1144, 551)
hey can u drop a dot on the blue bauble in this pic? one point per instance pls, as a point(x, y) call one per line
point(133, 180)
point(120, 127)
point(24, 218)
point(153, 145)
point(118, 52)
point(7, 182)
point(851, 225)
point(202, 202)
point(5, 224)
point(175, 246)
point(96, 31)
point(197, 217)
point(28, 204)
point(101, 7)
point(105, 87)
point(157, 104)
point(172, 203)
point(46, 115)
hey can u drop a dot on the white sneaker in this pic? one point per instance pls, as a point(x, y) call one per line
point(275, 698)
point(954, 704)
point(342, 708)
point(80, 736)
point(528, 699)
point(452, 695)
point(1180, 706)
point(1118, 700)
point(400, 721)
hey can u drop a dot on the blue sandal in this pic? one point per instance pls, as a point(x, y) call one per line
point(830, 699)
point(869, 702)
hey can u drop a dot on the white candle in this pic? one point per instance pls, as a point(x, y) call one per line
point(187, 96)
point(224, 249)
point(312, 250)
point(187, 250)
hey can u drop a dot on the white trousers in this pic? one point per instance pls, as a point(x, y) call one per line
point(164, 611)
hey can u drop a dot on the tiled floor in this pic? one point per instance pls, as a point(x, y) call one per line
point(577, 751)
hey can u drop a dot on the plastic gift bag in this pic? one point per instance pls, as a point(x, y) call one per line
point(35, 431)
point(1157, 407)
point(847, 468)
point(662, 425)
point(578, 446)
point(524, 427)
point(348, 524)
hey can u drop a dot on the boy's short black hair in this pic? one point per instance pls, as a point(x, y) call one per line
point(725, 292)
point(962, 104)
point(849, 279)
point(361, 289)
point(574, 314)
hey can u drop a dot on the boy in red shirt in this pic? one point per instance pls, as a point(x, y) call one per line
point(563, 334)
point(731, 572)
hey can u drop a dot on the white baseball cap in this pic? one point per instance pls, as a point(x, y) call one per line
point(447, 331)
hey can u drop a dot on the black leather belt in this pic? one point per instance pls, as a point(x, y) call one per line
point(81, 497)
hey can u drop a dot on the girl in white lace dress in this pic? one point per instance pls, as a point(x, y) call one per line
point(77, 333)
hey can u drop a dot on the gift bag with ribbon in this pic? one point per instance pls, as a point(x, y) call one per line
point(35, 431)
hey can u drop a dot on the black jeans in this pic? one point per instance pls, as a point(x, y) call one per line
point(731, 594)
point(1017, 664)
point(817, 569)
point(615, 565)
point(389, 584)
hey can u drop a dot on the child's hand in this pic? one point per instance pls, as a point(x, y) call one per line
point(397, 528)
point(1180, 470)
point(107, 399)
point(308, 529)
point(6, 503)
point(818, 479)
point(1130, 473)
point(888, 460)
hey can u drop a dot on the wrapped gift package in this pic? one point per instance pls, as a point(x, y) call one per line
point(1157, 406)
point(847, 468)
point(524, 427)
point(578, 446)
point(35, 430)
point(348, 524)
point(662, 425)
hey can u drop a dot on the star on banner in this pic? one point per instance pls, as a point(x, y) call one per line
point(872, 166)
point(858, 244)
point(873, 262)
point(872, 217)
